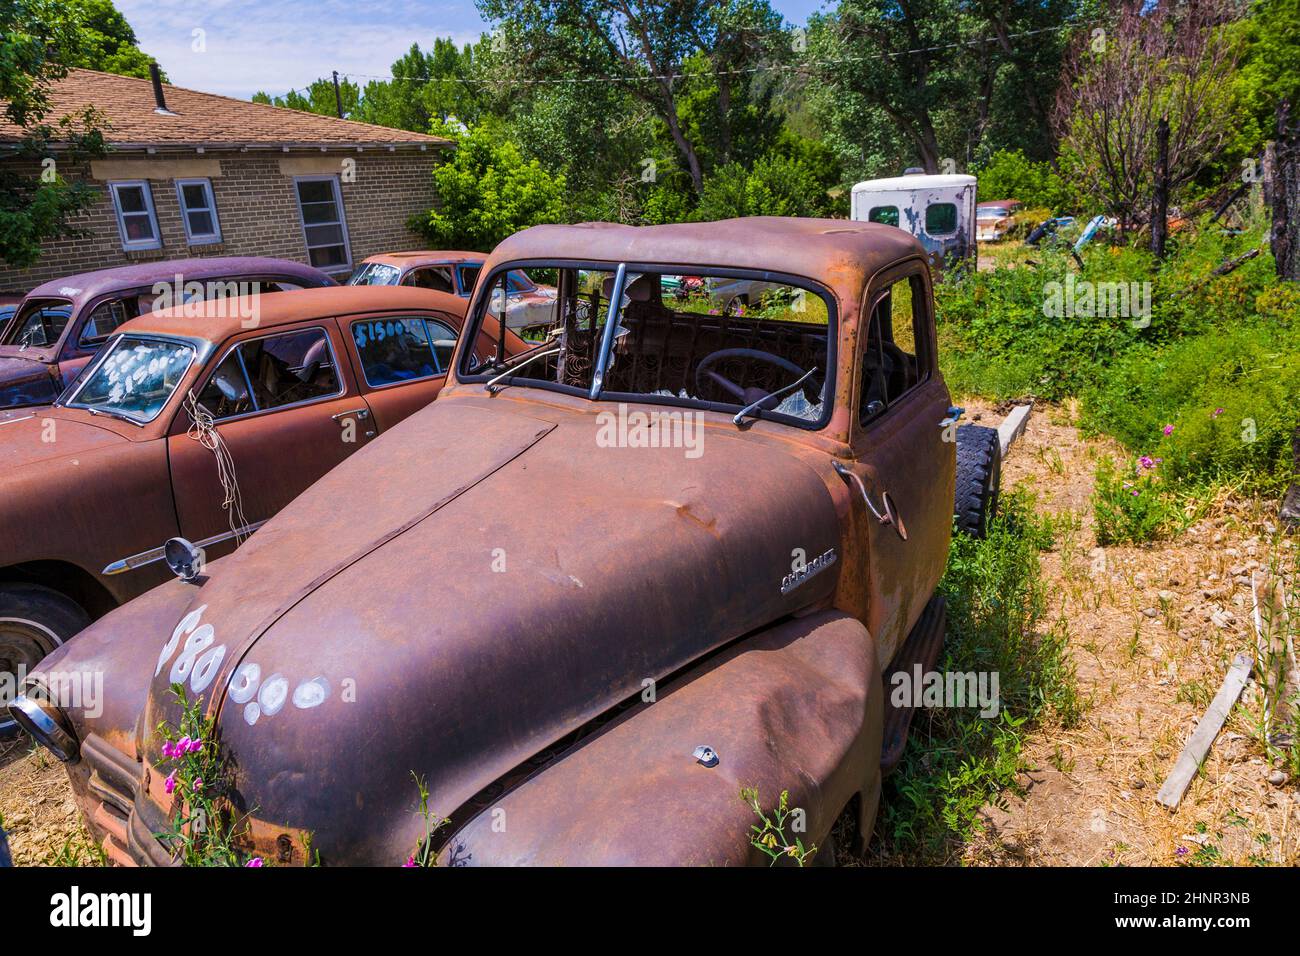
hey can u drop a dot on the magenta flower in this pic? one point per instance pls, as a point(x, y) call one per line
point(182, 745)
point(1181, 851)
point(167, 749)
point(170, 783)
point(1146, 461)
point(195, 745)
point(1169, 429)
point(1218, 412)
point(1135, 492)
point(255, 861)
point(198, 784)
point(410, 861)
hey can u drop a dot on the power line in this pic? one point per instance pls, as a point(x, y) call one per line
point(668, 77)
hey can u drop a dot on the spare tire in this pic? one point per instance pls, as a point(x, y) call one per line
point(979, 476)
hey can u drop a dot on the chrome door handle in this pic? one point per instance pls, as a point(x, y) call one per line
point(361, 413)
point(887, 513)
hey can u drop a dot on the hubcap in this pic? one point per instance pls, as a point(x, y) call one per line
point(23, 645)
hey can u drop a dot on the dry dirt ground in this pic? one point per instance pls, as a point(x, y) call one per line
point(1153, 630)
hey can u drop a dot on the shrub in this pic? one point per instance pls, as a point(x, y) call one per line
point(1009, 174)
point(1131, 507)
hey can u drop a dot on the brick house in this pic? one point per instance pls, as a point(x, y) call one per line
point(194, 174)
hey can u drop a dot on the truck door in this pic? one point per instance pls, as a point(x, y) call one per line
point(904, 457)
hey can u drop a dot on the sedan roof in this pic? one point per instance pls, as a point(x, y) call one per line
point(84, 286)
point(216, 320)
point(426, 257)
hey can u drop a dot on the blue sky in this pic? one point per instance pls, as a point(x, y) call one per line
point(277, 45)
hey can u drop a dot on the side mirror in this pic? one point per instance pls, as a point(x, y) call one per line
point(184, 558)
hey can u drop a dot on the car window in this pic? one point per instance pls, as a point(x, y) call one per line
point(105, 318)
point(437, 278)
point(891, 366)
point(39, 324)
point(884, 214)
point(940, 219)
point(272, 372)
point(375, 273)
point(394, 350)
point(443, 338)
point(468, 276)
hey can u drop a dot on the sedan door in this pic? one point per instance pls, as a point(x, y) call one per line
point(402, 361)
point(275, 413)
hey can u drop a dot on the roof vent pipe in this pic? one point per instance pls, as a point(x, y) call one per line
point(160, 101)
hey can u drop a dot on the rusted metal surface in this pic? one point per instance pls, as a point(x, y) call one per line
point(483, 596)
point(81, 493)
point(36, 374)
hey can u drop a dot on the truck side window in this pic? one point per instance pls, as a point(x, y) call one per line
point(890, 364)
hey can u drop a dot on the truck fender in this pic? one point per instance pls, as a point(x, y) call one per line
point(795, 707)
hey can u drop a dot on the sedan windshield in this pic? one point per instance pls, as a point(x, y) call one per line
point(375, 273)
point(39, 324)
point(134, 379)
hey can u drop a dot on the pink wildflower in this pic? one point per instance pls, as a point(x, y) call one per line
point(255, 861)
point(410, 861)
point(1146, 461)
point(1169, 429)
point(170, 783)
point(1218, 412)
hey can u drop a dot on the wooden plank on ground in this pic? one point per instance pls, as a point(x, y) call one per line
point(1189, 761)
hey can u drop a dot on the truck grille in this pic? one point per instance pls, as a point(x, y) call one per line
point(119, 810)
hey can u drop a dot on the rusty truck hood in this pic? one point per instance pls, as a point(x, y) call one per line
point(467, 591)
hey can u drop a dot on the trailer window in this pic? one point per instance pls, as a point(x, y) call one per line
point(940, 219)
point(884, 214)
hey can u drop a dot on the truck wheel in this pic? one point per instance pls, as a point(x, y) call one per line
point(34, 620)
point(979, 476)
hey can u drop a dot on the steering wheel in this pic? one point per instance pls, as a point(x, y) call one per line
point(746, 396)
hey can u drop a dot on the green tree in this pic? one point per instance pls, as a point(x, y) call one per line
point(105, 41)
point(488, 191)
point(39, 39)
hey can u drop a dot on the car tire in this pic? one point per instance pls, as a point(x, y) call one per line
point(979, 478)
point(34, 620)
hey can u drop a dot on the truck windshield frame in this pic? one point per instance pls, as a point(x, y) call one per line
point(598, 390)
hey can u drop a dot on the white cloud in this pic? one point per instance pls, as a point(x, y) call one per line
point(285, 45)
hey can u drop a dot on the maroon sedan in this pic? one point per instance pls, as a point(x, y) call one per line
point(59, 326)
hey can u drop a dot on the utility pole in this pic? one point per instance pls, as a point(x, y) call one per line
point(338, 97)
point(1160, 207)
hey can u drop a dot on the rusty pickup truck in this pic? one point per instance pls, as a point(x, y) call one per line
point(664, 553)
point(59, 326)
point(284, 387)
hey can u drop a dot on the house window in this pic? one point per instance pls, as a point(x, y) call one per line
point(136, 221)
point(324, 230)
point(199, 211)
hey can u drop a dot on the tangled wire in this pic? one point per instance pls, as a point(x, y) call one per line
point(204, 431)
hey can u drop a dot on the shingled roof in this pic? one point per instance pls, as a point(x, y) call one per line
point(195, 119)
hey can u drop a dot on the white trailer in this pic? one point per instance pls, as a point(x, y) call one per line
point(938, 210)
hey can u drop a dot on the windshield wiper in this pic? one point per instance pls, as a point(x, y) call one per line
point(111, 413)
point(749, 409)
